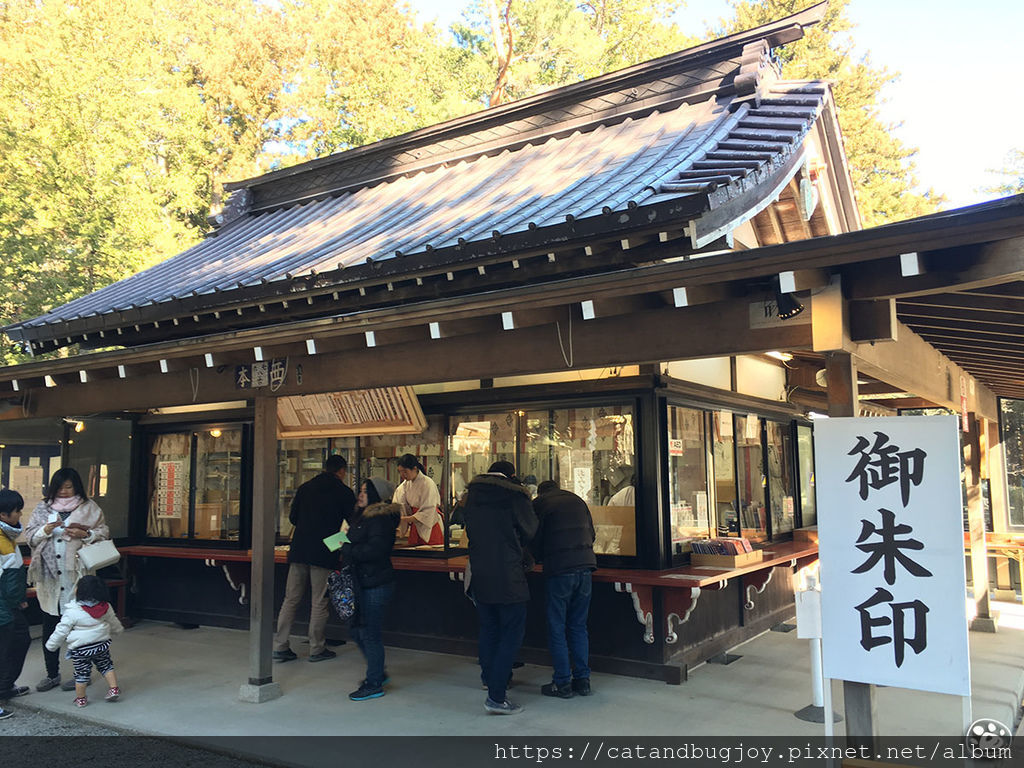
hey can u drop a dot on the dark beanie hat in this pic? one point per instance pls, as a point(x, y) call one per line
point(504, 467)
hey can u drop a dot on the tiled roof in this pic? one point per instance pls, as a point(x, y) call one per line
point(686, 150)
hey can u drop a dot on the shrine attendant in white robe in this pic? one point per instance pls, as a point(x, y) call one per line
point(419, 499)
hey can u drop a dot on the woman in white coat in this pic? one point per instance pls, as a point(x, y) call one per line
point(61, 524)
point(420, 501)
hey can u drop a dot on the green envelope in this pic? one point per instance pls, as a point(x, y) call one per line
point(333, 543)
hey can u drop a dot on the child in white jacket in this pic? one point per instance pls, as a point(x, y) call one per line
point(87, 624)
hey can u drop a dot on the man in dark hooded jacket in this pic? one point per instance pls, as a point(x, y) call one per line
point(565, 544)
point(318, 509)
point(499, 522)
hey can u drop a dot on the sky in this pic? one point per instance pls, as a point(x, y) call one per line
point(959, 95)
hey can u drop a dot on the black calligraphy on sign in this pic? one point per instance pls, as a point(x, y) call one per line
point(885, 464)
point(880, 464)
point(888, 548)
point(918, 641)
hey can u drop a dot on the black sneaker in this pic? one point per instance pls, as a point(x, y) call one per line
point(324, 655)
point(558, 691)
point(14, 692)
point(5, 713)
point(581, 686)
point(366, 692)
point(286, 655)
point(505, 707)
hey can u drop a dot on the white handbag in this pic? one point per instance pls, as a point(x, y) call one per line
point(98, 555)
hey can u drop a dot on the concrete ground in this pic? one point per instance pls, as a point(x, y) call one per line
point(185, 683)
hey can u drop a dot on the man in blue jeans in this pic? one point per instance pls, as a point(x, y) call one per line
point(565, 545)
point(499, 522)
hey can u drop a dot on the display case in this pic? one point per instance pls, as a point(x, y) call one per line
point(218, 484)
point(300, 460)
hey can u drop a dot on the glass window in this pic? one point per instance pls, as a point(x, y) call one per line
point(218, 484)
point(170, 470)
point(29, 455)
point(724, 459)
point(196, 484)
point(101, 451)
point(589, 451)
point(687, 476)
point(302, 459)
point(750, 480)
point(805, 457)
point(1011, 425)
point(780, 476)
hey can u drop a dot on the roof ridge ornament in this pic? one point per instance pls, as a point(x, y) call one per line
point(237, 205)
point(757, 72)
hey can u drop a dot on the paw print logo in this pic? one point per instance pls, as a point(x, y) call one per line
point(986, 734)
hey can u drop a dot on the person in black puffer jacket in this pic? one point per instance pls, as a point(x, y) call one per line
point(318, 510)
point(499, 522)
point(565, 544)
point(368, 552)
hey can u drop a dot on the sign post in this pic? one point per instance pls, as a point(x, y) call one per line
point(891, 552)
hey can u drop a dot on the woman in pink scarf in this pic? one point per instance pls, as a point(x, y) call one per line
point(64, 521)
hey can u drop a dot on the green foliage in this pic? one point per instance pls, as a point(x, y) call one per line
point(1013, 172)
point(120, 121)
point(881, 166)
point(534, 45)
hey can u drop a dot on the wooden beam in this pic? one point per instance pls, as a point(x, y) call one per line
point(915, 366)
point(951, 269)
point(649, 336)
point(873, 320)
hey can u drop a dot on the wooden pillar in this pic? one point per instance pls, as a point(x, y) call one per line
point(984, 621)
point(261, 686)
point(995, 470)
point(858, 698)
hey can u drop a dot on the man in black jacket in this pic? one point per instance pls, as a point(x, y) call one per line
point(565, 544)
point(318, 509)
point(499, 522)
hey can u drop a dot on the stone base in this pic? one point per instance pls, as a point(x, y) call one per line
point(257, 694)
point(813, 714)
point(1004, 595)
point(985, 623)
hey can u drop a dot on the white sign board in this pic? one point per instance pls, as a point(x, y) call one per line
point(890, 538)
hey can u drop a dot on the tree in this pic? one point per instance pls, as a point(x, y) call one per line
point(1013, 172)
point(120, 122)
point(881, 166)
point(533, 45)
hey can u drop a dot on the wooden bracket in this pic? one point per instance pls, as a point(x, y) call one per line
point(679, 604)
point(643, 604)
